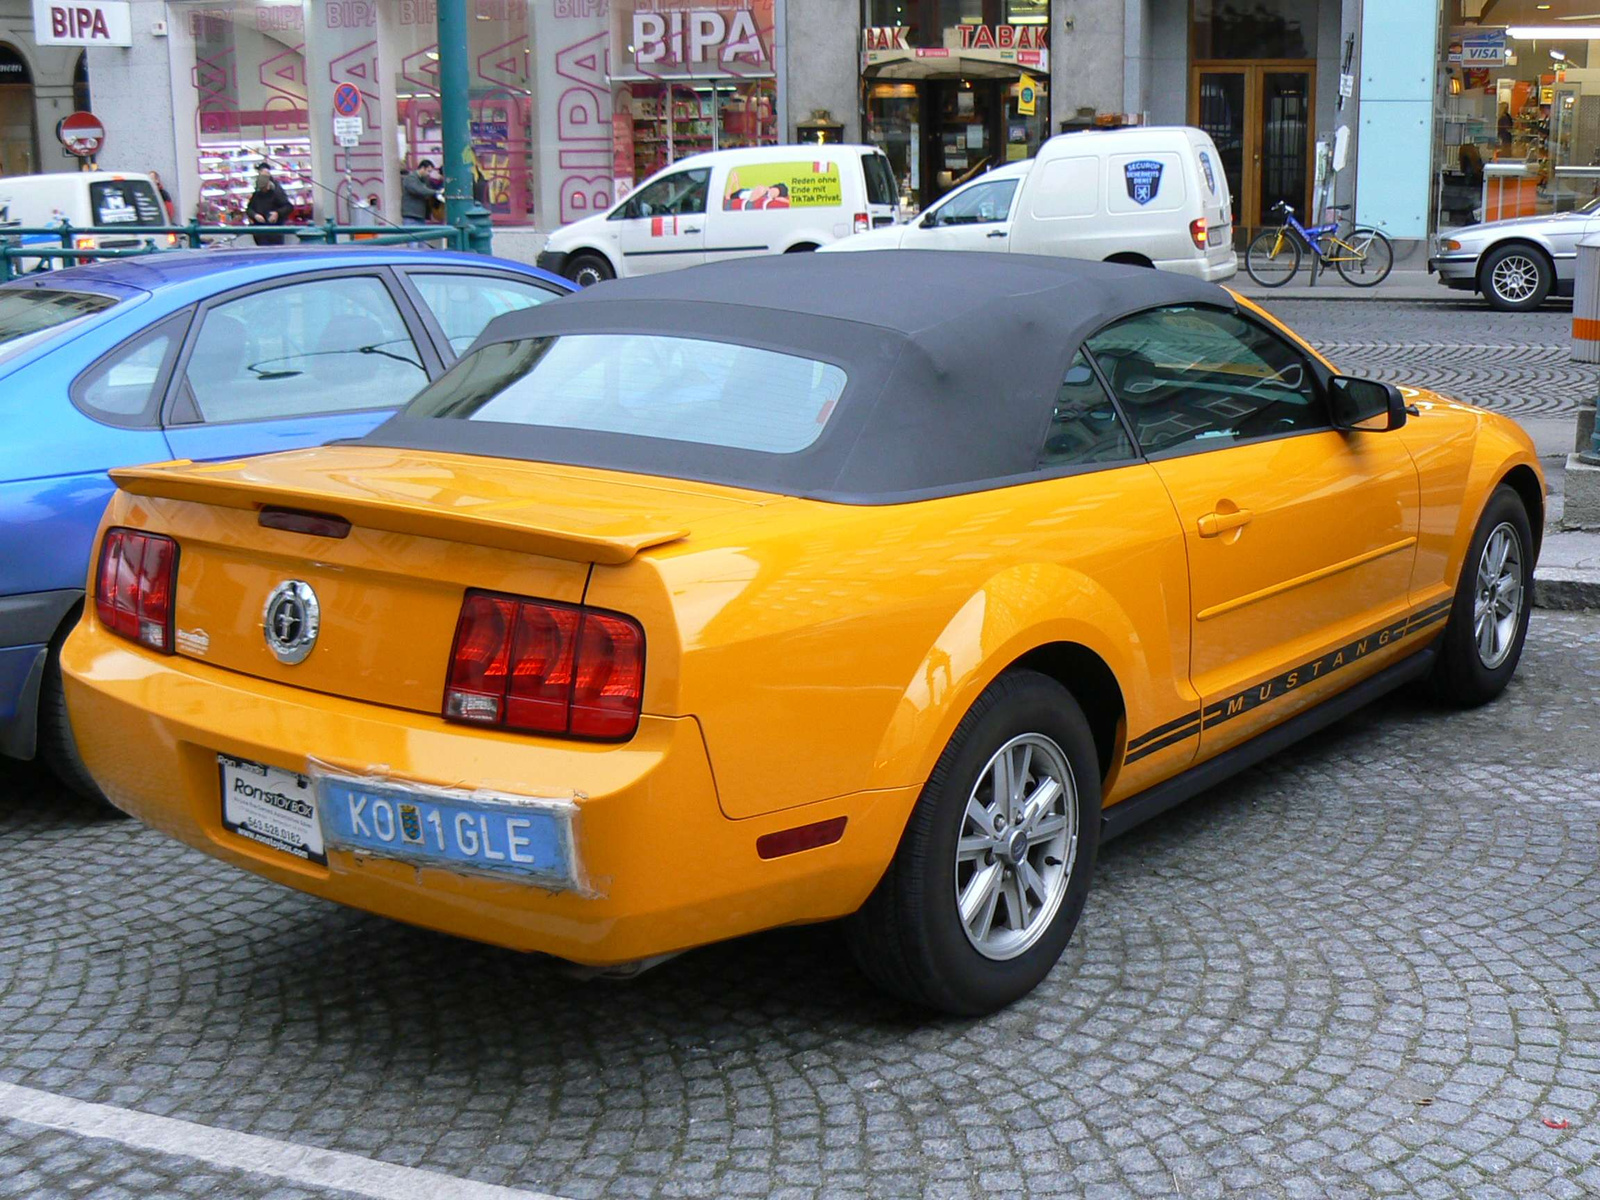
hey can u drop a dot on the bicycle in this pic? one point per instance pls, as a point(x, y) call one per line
point(1363, 256)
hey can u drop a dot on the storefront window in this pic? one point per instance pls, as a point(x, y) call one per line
point(981, 102)
point(691, 76)
point(250, 105)
point(1518, 126)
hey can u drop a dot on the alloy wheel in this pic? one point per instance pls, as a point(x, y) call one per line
point(1498, 599)
point(1017, 846)
point(1515, 278)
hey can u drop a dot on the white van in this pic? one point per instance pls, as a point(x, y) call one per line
point(730, 204)
point(1155, 196)
point(121, 200)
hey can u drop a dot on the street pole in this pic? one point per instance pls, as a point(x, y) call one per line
point(454, 96)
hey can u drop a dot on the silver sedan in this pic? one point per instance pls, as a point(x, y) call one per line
point(1518, 262)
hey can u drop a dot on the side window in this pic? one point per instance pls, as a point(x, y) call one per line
point(1085, 427)
point(981, 204)
point(1200, 375)
point(678, 195)
point(121, 387)
point(464, 304)
point(325, 345)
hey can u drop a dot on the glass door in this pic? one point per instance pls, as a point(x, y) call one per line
point(1259, 115)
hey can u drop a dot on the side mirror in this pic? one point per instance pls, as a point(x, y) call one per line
point(929, 220)
point(1365, 404)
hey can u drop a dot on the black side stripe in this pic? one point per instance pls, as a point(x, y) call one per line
point(1159, 730)
point(1189, 725)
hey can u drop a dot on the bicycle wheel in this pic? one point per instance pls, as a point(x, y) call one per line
point(1273, 257)
point(1368, 261)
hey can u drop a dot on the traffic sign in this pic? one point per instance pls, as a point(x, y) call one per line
point(346, 100)
point(347, 131)
point(81, 133)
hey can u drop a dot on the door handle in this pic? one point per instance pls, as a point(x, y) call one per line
point(997, 233)
point(1214, 523)
point(691, 229)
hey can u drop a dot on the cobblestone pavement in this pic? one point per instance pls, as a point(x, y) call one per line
point(1367, 968)
point(1517, 363)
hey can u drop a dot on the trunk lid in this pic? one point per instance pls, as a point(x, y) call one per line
point(424, 527)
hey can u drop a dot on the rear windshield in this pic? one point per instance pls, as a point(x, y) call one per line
point(125, 202)
point(880, 180)
point(644, 385)
point(26, 311)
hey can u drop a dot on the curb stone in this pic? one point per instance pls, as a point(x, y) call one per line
point(1566, 591)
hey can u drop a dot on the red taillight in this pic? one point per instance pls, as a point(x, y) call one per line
point(1197, 231)
point(133, 586)
point(83, 243)
point(545, 668)
point(863, 222)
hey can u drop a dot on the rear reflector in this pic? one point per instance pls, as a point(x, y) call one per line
point(802, 837)
point(296, 521)
point(133, 586)
point(545, 668)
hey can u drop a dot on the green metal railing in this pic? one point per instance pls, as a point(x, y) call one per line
point(471, 236)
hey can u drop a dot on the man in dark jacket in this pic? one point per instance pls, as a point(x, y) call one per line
point(269, 205)
point(418, 190)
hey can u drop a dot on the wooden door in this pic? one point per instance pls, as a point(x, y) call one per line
point(1260, 116)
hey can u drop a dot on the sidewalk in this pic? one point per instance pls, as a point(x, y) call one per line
point(1400, 285)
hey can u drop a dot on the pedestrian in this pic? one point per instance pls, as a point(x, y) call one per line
point(269, 205)
point(418, 190)
point(166, 198)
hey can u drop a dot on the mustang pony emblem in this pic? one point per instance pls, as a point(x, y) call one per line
point(291, 620)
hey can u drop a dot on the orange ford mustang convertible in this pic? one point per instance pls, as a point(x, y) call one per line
point(872, 586)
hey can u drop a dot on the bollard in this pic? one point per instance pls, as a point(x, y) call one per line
point(1586, 332)
point(1586, 303)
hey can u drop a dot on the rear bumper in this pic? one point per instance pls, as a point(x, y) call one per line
point(668, 870)
point(27, 623)
point(554, 261)
point(1202, 268)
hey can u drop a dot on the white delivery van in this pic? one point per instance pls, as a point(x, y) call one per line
point(730, 204)
point(1154, 196)
point(119, 200)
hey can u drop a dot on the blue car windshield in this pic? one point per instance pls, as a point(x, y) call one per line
point(28, 311)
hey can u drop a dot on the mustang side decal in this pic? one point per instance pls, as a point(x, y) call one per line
point(1239, 703)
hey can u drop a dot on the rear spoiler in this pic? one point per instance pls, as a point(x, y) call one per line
point(552, 540)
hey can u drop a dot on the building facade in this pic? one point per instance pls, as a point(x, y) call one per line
point(575, 101)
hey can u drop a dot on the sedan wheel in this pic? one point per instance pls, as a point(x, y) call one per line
point(991, 873)
point(1515, 278)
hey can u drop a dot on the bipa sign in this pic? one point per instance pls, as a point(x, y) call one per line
point(696, 39)
point(101, 23)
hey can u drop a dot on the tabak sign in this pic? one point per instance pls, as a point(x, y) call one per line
point(676, 39)
point(1004, 37)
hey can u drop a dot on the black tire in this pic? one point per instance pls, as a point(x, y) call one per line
point(588, 269)
point(1264, 261)
point(1515, 278)
point(909, 936)
point(1463, 676)
point(57, 748)
point(1377, 261)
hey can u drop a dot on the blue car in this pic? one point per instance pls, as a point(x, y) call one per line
point(199, 354)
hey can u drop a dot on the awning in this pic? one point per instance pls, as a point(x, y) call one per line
point(953, 63)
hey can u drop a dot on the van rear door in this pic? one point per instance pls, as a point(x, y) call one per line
point(883, 196)
point(1216, 203)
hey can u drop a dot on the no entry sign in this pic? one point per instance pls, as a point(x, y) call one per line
point(81, 133)
point(346, 100)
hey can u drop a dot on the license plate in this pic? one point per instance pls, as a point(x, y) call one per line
point(272, 806)
point(500, 835)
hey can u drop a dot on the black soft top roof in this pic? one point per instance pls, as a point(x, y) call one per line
point(953, 361)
